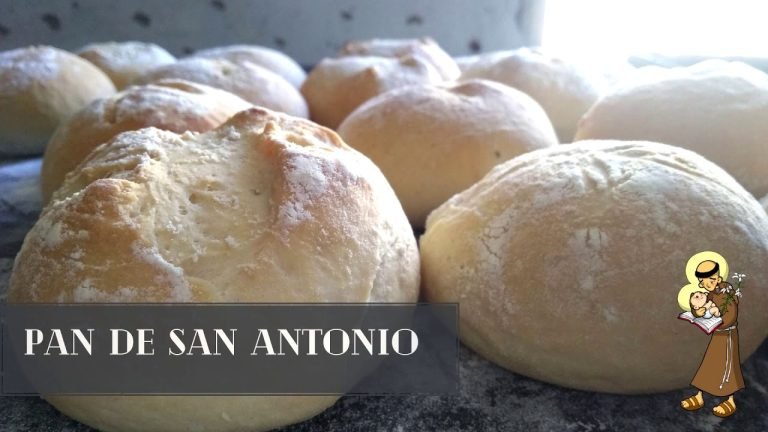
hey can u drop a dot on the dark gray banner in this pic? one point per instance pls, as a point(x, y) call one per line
point(229, 349)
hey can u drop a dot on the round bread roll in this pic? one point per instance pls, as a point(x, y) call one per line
point(173, 105)
point(718, 109)
point(263, 193)
point(434, 141)
point(567, 262)
point(251, 82)
point(268, 58)
point(39, 87)
point(336, 86)
point(123, 62)
point(468, 62)
point(564, 90)
point(424, 48)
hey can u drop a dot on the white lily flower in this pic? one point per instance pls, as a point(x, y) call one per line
point(739, 276)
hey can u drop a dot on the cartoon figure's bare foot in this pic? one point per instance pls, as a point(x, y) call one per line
point(726, 408)
point(693, 403)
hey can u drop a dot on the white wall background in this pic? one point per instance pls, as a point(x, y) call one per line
point(305, 29)
point(620, 28)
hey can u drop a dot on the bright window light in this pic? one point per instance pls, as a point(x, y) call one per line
point(620, 28)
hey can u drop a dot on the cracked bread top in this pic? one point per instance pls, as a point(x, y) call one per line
point(265, 208)
point(567, 261)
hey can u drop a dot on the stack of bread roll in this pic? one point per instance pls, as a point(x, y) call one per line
point(43, 88)
point(565, 259)
point(183, 149)
point(261, 193)
point(364, 69)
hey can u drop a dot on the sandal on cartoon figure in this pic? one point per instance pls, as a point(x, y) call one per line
point(726, 408)
point(693, 403)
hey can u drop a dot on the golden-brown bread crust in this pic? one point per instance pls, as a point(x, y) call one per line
point(271, 59)
point(299, 181)
point(432, 141)
point(564, 88)
point(716, 108)
point(272, 209)
point(39, 87)
point(173, 105)
point(425, 48)
point(255, 84)
point(567, 262)
point(336, 86)
point(123, 62)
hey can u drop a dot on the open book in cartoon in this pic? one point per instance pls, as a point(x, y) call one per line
point(707, 325)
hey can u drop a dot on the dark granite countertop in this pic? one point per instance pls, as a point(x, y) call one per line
point(491, 398)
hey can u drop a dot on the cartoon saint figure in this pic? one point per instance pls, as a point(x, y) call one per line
point(708, 296)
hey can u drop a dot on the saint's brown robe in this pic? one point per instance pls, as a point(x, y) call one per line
point(720, 371)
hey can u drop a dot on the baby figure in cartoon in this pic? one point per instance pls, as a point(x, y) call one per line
point(703, 307)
